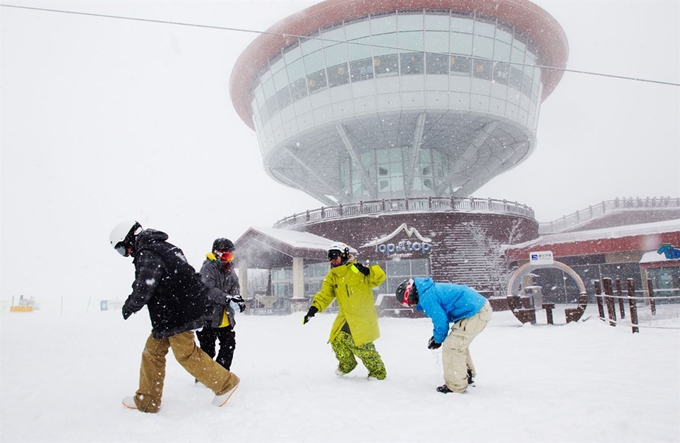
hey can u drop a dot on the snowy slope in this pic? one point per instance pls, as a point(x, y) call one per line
point(64, 375)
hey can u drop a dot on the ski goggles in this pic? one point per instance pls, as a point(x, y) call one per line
point(333, 254)
point(121, 249)
point(225, 255)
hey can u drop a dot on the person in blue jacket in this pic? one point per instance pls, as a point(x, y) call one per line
point(447, 303)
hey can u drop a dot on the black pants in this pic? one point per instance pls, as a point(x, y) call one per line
point(227, 338)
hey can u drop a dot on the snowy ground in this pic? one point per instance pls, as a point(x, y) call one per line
point(63, 377)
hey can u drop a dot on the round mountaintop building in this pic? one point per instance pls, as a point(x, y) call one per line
point(391, 114)
point(362, 100)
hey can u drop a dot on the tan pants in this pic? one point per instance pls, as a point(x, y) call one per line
point(190, 356)
point(455, 349)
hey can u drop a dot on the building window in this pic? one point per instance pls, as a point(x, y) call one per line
point(460, 65)
point(338, 75)
point(314, 273)
point(298, 89)
point(272, 106)
point(501, 71)
point(296, 70)
point(412, 63)
point(354, 177)
point(390, 171)
point(386, 65)
point(515, 78)
point(282, 282)
point(386, 24)
point(482, 47)
point(482, 69)
point(316, 81)
point(436, 64)
point(283, 97)
point(399, 270)
point(461, 44)
point(361, 69)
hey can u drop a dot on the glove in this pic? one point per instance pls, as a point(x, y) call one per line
point(433, 344)
point(240, 302)
point(126, 313)
point(363, 269)
point(312, 310)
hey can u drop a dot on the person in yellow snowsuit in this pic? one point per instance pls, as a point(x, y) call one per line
point(356, 326)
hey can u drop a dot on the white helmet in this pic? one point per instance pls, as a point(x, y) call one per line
point(338, 249)
point(123, 236)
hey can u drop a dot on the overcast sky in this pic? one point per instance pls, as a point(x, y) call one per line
point(106, 119)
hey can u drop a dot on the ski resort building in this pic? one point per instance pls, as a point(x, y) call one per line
point(392, 114)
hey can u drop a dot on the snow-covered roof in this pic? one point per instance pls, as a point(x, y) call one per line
point(655, 257)
point(604, 233)
point(298, 239)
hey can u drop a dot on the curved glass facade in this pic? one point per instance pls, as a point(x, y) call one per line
point(423, 61)
point(408, 43)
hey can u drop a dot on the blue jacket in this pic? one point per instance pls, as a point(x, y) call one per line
point(446, 303)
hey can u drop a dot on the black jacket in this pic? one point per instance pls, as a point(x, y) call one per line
point(167, 284)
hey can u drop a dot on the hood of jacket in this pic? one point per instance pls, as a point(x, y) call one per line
point(149, 236)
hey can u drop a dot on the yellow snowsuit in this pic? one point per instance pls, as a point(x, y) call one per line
point(354, 294)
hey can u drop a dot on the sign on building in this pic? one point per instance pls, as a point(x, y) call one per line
point(541, 258)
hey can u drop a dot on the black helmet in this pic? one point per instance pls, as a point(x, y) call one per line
point(406, 293)
point(223, 244)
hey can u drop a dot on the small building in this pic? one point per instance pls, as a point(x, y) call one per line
point(663, 271)
point(613, 244)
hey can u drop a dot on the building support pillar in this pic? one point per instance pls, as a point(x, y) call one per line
point(298, 277)
point(243, 277)
point(298, 303)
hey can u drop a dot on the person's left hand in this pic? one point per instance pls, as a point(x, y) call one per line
point(363, 269)
point(433, 344)
point(238, 301)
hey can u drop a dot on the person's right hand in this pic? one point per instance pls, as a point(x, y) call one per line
point(126, 313)
point(433, 344)
point(312, 311)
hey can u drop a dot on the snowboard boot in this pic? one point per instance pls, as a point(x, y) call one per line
point(445, 389)
point(471, 380)
point(221, 400)
point(129, 402)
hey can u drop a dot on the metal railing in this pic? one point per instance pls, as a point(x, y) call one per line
point(428, 204)
point(608, 206)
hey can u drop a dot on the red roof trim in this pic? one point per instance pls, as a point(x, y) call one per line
point(641, 243)
point(540, 26)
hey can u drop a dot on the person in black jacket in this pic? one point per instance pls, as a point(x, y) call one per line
point(177, 302)
point(218, 273)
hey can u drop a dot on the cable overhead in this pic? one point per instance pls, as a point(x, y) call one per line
point(250, 31)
